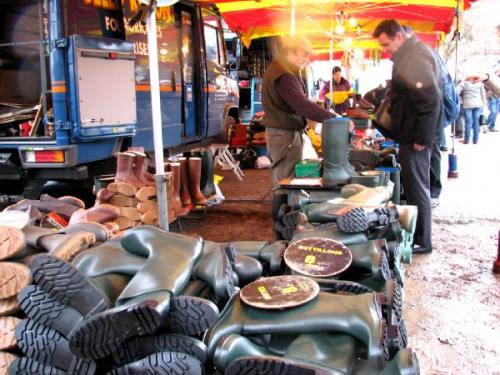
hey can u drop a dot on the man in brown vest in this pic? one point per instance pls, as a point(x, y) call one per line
point(286, 108)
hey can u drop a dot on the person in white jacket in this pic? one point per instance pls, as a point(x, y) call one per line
point(474, 98)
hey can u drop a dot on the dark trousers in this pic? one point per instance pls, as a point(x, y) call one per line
point(435, 171)
point(415, 167)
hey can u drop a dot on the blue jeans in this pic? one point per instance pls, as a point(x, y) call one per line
point(493, 103)
point(472, 121)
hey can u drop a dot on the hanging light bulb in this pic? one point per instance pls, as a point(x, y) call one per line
point(353, 22)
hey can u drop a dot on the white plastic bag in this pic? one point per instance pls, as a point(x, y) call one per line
point(308, 151)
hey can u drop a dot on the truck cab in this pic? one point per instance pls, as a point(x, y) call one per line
point(75, 86)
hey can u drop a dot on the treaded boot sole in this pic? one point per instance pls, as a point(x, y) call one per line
point(8, 326)
point(383, 272)
point(191, 315)
point(140, 347)
point(49, 347)
point(270, 365)
point(161, 363)
point(40, 307)
point(354, 221)
point(12, 241)
point(6, 359)
point(13, 277)
point(74, 245)
point(28, 366)
point(8, 306)
point(61, 281)
point(102, 334)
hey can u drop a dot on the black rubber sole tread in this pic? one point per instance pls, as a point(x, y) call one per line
point(140, 347)
point(28, 366)
point(167, 363)
point(268, 365)
point(102, 334)
point(191, 315)
point(47, 346)
point(60, 280)
point(384, 271)
point(343, 287)
point(40, 307)
point(354, 221)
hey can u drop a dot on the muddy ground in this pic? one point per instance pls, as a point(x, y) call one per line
point(452, 299)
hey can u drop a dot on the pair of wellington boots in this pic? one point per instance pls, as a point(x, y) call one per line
point(131, 167)
point(187, 177)
point(335, 144)
point(307, 354)
point(207, 185)
point(358, 315)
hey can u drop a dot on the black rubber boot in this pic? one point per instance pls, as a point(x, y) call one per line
point(162, 363)
point(49, 347)
point(359, 220)
point(63, 282)
point(27, 365)
point(235, 346)
point(43, 309)
point(359, 316)
point(248, 269)
point(140, 347)
point(207, 172)
point(271, 254)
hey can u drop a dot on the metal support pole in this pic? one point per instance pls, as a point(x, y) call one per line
point(161, 178)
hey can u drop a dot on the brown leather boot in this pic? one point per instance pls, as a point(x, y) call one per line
point(176, 198)
point(194, 181)
point(141, 169)
point(104, 195)
point(184, 192)
point(125, 169)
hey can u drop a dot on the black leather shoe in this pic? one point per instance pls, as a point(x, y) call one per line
point(421, 250)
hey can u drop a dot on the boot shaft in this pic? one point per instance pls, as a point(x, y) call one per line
point(335, 141)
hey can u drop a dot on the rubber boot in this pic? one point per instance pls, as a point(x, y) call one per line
point(45, 206)
point(215, 269)
point(100, 213)
point(270, 254)
point(141, 169)
point(140, 347)
point(184, 192)
point(359, 316)
point(207, 172)
point(48, 346)
point(125, 169)
point(370, 196)
point(359, 220)
point(194, 181)
point(248, 269)
point(12, 241)
point(405, 362)
point(329, 230)
point(177, 203)
point(233, 347)
point(162, 363)
point(335, 140)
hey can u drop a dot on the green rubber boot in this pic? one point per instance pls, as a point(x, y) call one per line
point(335, 141)
point(360, 316)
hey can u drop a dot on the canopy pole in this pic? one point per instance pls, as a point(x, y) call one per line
point(331, 59)
point(292, 18)
point(160, 177)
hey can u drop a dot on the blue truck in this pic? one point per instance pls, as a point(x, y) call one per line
point(75, 87)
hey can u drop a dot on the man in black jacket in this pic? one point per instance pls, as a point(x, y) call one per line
point(416, 105)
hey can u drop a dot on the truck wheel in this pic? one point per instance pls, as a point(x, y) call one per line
point(32, 188)
point(228, 128)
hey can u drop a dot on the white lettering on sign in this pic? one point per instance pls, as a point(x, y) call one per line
point(112, 24)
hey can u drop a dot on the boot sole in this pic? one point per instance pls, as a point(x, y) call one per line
point(12, 241)
point(144, 207)
point(28, 366)
point(141, 347)
point(74, 245)
point(145, 193)
point(191, 315)
point(13, 277)
point(103, 334)
point(162, 363)
point(8, 326)
point(121, 201)
point(47, 346)
point(131, 212)
point(41, 308)
point(67, 285)
point(122, 188)
point(125, 222)
point(6, 360)
point(269, 365)
point(8, 306)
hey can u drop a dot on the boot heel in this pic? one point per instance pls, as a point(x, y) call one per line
point(26, 365)
point(191, 315)
point(162, 363)
point(60, 280)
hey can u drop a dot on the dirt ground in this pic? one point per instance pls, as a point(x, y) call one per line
point(452, 299)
